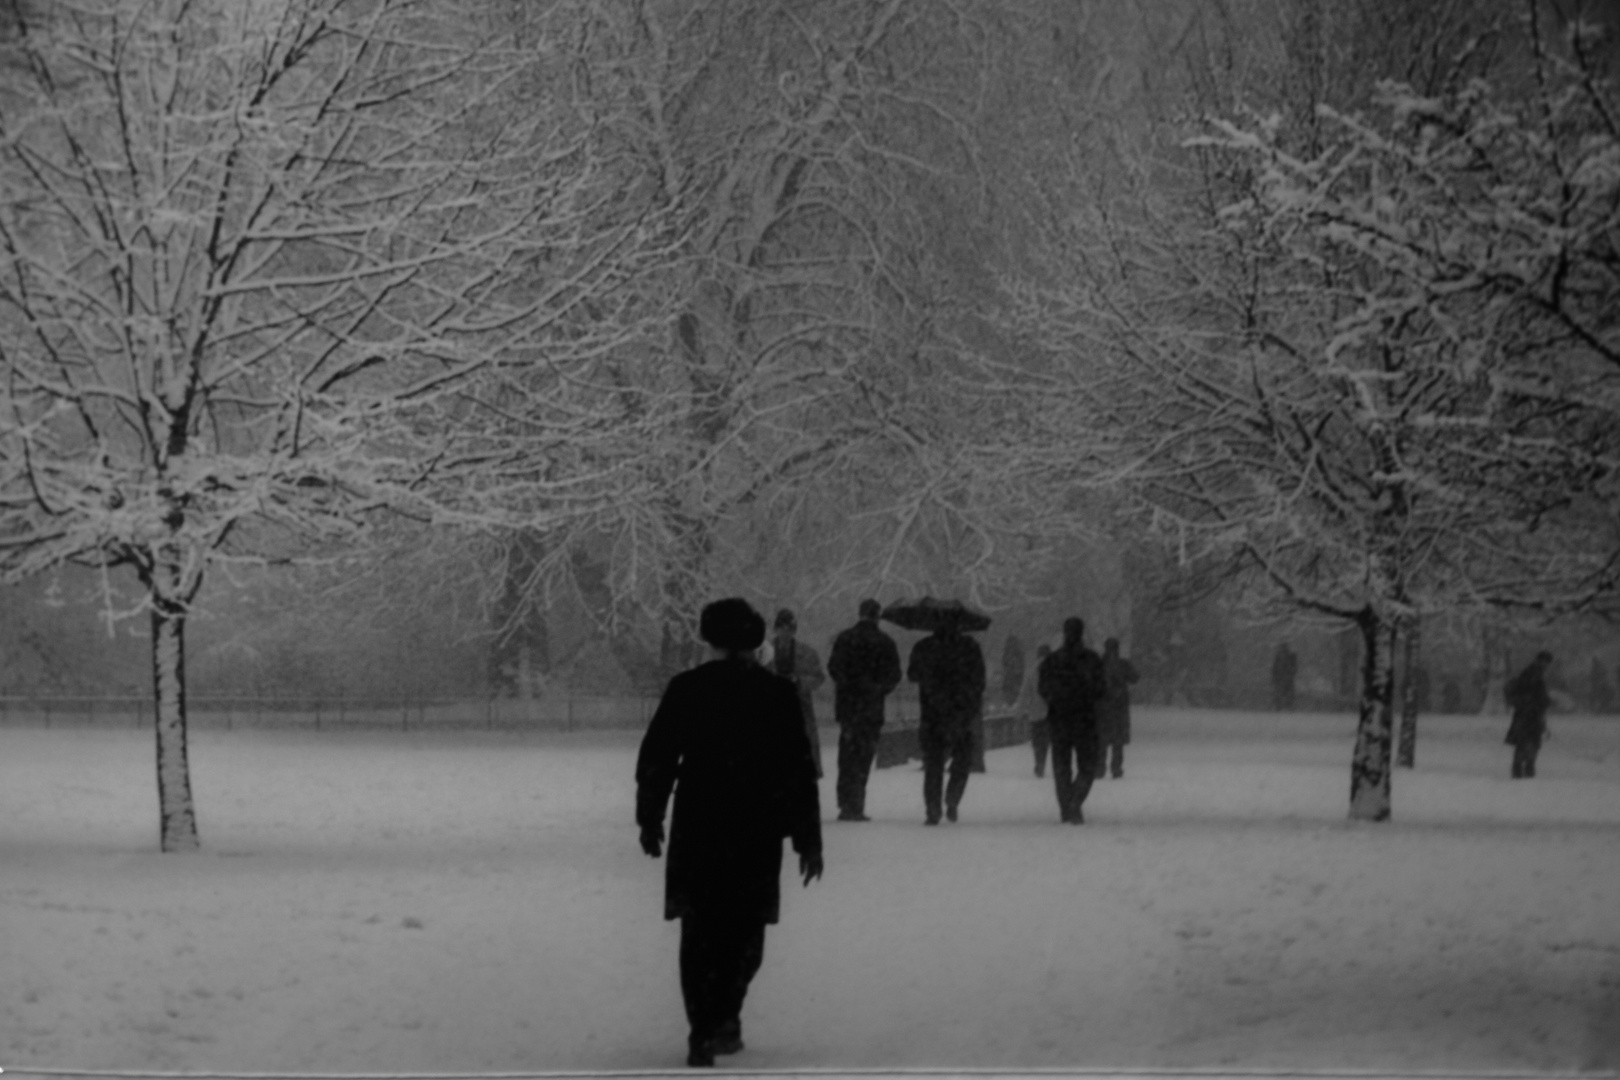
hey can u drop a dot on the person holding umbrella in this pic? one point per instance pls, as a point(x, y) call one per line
point(948, 668)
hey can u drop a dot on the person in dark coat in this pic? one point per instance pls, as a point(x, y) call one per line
point(1527, 695)
point(1114, 710)
point(1284, 674)
point(864, 664)
point(800, 665)
point(728, 738)
point(1071, 682)
point(948, 668)
point(1030, 705)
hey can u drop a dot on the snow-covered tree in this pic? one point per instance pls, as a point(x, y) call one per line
point(271, 267)
point(1371, 370)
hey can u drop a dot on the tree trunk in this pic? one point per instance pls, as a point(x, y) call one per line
point(1406, 752)
point(176, 814)
point(1370, 765)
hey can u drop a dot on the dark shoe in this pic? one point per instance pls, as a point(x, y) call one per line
point(727, 1044)
point(1119, 774)
point(932, 819)
point(850, 815)
point(950, 813)
point(701, 1056)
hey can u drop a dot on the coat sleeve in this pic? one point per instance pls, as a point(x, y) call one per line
point(659, 760)
point(801, 810)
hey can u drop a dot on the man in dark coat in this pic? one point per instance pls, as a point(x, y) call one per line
point(948, 668)
point(728, 738)
point(865, 667)
point(1071, 681)
point(1114, 710)
point(1527, 695)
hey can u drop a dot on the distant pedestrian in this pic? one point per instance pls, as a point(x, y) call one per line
point(1071, 681)
point(948, 668)
point(801, 665)
point(1114, 710)
point(1284, 674)
point(1601, 696)
point(864, 663)
point(728, 739)
point(1012, 669)
point(1527, 696)
point(1033, 708)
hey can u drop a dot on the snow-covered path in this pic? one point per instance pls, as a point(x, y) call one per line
point(376, 902)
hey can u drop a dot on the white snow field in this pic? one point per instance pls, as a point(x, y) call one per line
point(462, 903)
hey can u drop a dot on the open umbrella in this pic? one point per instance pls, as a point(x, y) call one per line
point(929, 614)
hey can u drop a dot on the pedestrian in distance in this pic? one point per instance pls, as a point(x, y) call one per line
point(1071, 682)
point(728, 739)
point(801, 665)
point(1284, 674)
point(1114, 710)
point(1030, 705)
point(948, 668)
point(864, 664)
point(1527, 696)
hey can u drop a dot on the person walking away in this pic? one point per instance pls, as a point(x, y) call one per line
point(1071, 682)
point(1114, 710)
point(728, 738)
point(864, 664)
point(801, 665)
point(1031, 706)
point(1284, 673)
point(1527, 696)
point(948, 668)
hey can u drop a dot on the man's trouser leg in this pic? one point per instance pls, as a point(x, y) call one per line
point(720, 954)
point(1116, 766)
point(1087, 750)
point(1040, 737)
point(857, 746)
point(933, 749)
point(1063, 770)
point(961, 763)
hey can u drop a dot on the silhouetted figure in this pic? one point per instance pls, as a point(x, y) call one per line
point(799, 664)
point(1032, 706)
point(1071, 682)
point(1284, 674)
point(728, 738)
point(948, 668)
point(1114, 710)
point(864, 663)
point(1527, 696)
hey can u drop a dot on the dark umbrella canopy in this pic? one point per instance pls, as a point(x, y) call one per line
point(929, 615)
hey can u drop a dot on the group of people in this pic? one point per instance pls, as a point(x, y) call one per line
point(734, 742)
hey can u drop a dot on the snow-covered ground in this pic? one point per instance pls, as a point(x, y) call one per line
point(460, 903)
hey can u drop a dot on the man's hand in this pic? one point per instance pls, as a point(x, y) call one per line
point(652, 840)
point(810, 867)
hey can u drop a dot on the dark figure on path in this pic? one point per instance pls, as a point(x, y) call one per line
point(729, 739)
point(1031, 705)
point(800, 665)
point(1114, 710)
point(1012, 669)
point(865, 667)
point(1284, 673)
point(1071, 681)
point(948, 668)
point(1527, 696)
point(1601, 695)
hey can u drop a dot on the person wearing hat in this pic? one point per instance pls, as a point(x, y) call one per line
point(1527, 695)
point(801, 665)
point(728, 739)
point(864, 663)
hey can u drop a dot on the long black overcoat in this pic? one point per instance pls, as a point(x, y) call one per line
point(1114, 708)
point(1527, 693)
point(865, 667)
point(1072, 683)
point(728, 739)
point(948, 669)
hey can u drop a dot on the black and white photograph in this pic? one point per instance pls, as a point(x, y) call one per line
point(579, 538)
